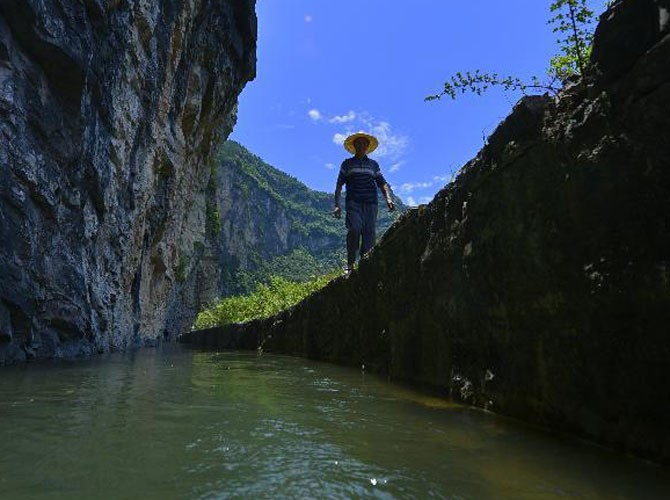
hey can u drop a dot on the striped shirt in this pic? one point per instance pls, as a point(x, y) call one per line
point(362, 176)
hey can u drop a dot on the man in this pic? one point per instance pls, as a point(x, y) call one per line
point(362, 176)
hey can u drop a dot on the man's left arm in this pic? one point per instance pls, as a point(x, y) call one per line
point(387, 194)
point(383, 185)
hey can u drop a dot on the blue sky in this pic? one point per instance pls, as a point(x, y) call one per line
point(328, 68)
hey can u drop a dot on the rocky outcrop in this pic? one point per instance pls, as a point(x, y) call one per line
point(108, 115)
point(537, 284)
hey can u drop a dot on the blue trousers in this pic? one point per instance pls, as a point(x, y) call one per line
point(361, 231)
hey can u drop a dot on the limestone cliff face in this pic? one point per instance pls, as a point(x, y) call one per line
point(108, 114)
point(538, 283)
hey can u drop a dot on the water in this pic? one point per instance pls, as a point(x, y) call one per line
point(175, 423)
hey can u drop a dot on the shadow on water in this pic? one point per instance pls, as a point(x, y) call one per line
point(175, 423)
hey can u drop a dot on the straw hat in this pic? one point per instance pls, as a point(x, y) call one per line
point(349, 142)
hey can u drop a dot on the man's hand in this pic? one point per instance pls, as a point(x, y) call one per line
point(337, 212)
point(390, 204)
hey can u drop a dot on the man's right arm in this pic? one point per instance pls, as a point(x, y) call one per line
point(341, 179)
point(337, 211)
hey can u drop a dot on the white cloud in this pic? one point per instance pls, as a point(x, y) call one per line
point(441, 178)
point(408, 187)
point(417, 193)
point(350, 116)
point(339, 138)
point(390, 145)
point(314, 114)
point(330, 166)
point(308, 18)
point(396, 166)
point(413, 202)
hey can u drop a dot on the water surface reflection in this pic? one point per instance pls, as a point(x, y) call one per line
point(174, 423)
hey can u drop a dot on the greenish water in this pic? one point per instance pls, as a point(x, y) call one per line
point(175, 423)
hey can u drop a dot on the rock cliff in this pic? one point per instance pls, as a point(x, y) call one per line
point(537, 284)
point(108, 115)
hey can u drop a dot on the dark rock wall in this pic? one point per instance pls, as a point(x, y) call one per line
point(538, 283)
point(108, 115)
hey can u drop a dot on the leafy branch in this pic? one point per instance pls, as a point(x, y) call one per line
point(573, 22)
point(479, 82)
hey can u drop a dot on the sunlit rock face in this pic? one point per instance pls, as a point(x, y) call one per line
point(537, 284)
point(109, 111)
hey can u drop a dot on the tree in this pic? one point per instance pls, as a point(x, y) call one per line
point(573, 22)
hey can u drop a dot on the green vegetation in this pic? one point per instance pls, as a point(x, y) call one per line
point(180, 272)
point(298, 265)
point(213, 218)
point(574, 23)
point(266, 300)
point(213, 223)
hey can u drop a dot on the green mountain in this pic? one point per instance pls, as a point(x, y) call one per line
point(263, 222)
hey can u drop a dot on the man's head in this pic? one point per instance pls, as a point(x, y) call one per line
point(361, 143)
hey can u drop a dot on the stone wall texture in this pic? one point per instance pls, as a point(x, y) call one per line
point(537, 284)
point(109, 113)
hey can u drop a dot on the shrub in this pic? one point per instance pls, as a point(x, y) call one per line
point(267, 300)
